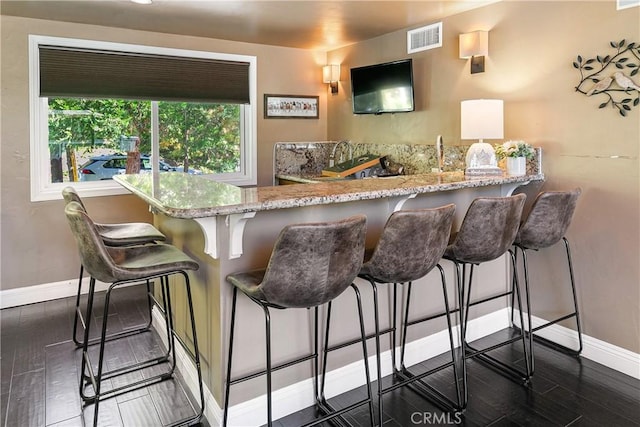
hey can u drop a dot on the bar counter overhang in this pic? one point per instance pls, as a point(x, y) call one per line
point(230, 229)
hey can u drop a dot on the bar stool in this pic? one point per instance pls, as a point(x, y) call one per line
point(546, 225)
point(410, 246)
point(486, 233)
point(120, 266)
point(310, 265)
point(123, 234)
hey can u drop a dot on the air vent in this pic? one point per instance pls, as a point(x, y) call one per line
point(424, 38)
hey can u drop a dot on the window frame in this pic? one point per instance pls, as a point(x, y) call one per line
point(42, 189)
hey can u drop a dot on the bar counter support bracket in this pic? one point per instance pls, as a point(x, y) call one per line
point(508, 189)
point(236, 223)
point(208, 226)
point(400, 203)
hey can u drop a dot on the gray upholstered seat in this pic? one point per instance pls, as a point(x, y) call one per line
point(123, 234)
point(118, 266)
point(487, 232)
point(310, 265)
point(411, 245)
point(545, 225)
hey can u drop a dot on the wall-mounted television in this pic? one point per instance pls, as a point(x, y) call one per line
point(383, 88)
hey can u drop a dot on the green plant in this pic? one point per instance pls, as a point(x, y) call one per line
point(514, 149)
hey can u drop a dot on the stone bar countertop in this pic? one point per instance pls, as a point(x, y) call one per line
point(181, 195)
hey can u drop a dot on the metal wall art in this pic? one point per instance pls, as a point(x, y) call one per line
point(610, 76)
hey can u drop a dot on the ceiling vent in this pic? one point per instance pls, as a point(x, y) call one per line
point(424, 38)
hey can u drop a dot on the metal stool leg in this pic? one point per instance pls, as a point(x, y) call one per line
point(267, 326)
point(225, 414)
point(78, 316)
point(575, 313)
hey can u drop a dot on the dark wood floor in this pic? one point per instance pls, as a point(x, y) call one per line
point(40, 367)
point(39, 382)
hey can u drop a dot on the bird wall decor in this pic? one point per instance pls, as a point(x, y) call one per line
point(612, 77)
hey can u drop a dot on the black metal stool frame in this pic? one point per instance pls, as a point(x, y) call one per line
point(407, 378)
point(329, 412)
point(79, 317)
point(111, 237)
point(468, 351)
point(530, 331)
point(95, 379)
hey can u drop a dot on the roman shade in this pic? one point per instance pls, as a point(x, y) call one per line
point(93, 73)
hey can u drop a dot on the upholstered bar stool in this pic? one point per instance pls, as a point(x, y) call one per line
point(546, 225)
point(120, 266)
point(310, 265)
point(123, 234)
point(409, 247)
point(486, 233)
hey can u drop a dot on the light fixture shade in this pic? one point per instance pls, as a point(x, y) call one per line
point(474, 44)
point(482, 119)
point(331, 73)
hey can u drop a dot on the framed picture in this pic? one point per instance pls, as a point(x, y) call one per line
point(290, 107)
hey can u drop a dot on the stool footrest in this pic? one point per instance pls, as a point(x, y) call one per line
point(358, 340)
point(433, 395)
point(553, 322)
point(334, 415)
point(273, 368)
point(497, 365)
point(556, 346)
point(429, 392)
point(128, 387)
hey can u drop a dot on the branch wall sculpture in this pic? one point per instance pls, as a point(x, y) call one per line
point(610, 76)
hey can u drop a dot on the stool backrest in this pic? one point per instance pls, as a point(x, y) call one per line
point(313, 263)
point(411, 244)
point(93, 253)
point(70, 195)
point(488, 229)
point(549, 219)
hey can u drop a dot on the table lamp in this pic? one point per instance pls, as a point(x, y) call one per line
point(480, 119)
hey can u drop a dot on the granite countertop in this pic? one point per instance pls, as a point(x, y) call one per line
point(181, 195)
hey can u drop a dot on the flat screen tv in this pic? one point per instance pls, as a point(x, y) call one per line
point(383, 88)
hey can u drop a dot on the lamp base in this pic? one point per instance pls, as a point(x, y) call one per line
point(483, 171)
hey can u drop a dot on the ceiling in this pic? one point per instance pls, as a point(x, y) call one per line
point(306, 24)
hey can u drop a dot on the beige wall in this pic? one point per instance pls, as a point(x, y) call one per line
point(532, 45)
point(37, 246)
point(531, 49)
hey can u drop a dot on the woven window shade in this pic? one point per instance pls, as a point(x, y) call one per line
point(86, 73)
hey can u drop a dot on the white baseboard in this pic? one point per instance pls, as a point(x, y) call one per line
point(45, 292)
point(607, 354)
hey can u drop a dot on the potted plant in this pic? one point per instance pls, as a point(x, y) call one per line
point(516, 154)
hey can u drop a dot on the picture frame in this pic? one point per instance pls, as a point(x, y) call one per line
point(291, 107)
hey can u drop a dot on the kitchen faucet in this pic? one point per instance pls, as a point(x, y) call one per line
point(332, 158)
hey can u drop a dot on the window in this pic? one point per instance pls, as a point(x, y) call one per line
point(100, 109)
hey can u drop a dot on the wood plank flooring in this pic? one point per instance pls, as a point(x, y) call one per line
point(39, 382)
point(40, 367)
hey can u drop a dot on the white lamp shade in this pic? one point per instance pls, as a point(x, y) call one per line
point(482, 119)
point(330, 73)
point(474, 44)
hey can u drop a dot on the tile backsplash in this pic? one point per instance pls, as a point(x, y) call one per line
point(309, 158)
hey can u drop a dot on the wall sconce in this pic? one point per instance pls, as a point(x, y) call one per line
point(479, 119)
point(331, 75)
point(475, 45)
